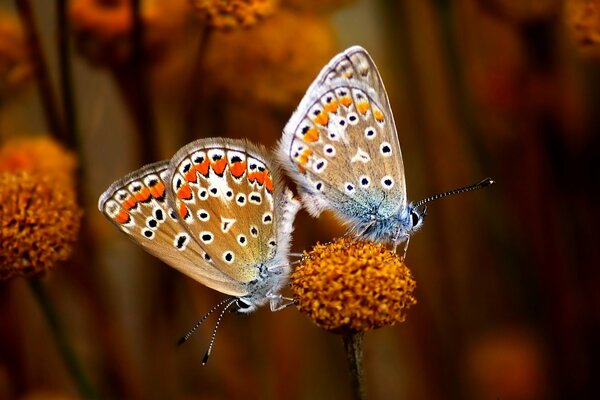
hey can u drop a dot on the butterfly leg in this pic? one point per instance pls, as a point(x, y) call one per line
point(407, 240)
point(279, 302)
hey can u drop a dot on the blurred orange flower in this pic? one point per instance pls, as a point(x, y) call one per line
point(38, 155)
point(583, 20)
point(103, 28)
point(39, 223)
point(233, 13)
point(16, 69)
point(273, 62)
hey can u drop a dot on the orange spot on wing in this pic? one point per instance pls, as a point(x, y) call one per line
point(219, 166)
point(122, 217)
point(312, 135)
point(269, 183)
point(129, 203)
point(332, 107)
point(183, 210)
point(143, 195)
point(184, 192)
point(322, 118)
point(303, 157)
point(191, 176)
point(362, 106)
point(378, 115)
point(237, 168)
point(346, 100)
point(257, 177)
point(203, 167)
point(158, 191)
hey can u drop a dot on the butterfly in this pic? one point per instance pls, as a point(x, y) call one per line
point(219, 212)
point(341, 148)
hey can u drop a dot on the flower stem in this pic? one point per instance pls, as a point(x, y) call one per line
point(354, 354)
point(42, 73)
point(83, 385)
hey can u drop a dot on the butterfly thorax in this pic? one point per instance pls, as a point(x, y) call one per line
point(392, 229)
point(272, 277)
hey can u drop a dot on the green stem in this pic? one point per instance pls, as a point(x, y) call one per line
point(83, 385)
point(354, 355)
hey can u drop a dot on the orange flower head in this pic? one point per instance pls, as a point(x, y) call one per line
point(39, 223)
point(271, 63)
point(353, 286)
point(38, 155)
point(228, 14)
point(103, 28)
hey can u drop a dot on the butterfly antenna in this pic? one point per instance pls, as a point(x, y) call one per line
point(477, 186)
point(191, 331)
point(214, 332)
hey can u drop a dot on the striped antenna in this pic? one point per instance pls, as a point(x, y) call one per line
point(477, 186)
point(191, 331)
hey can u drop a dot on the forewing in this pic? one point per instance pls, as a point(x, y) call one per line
point(137, 204)
point(225, 192)
point(341, 144)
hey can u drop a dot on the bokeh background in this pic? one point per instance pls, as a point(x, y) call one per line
point(507, 278)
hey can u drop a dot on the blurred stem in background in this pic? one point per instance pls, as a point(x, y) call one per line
point(83, 385)
point(42, 74)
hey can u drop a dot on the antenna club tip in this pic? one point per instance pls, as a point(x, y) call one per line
point(181, 341)
point(487, 182)
point(205, 358)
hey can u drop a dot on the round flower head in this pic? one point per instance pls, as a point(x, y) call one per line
point(102, 28)
point(233, 13)
point(352, 285)
point(39, 222)
point(271, 63)
point(582, 17)
point(39, 155)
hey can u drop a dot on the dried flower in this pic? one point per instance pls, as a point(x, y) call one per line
point(352, 285)
point(274, 62)
point(233, 13)
point(39, 223)
point(103, 28)
point(583, 19)
point(38, 155)
point(16, 69)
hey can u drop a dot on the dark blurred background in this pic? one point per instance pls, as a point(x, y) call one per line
point(507, 278)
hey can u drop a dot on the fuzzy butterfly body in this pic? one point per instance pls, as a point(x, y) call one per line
point(217, 211)
point(342, 149)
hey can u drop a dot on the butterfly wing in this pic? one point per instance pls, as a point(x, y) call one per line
point(137, 204)
point(341, 145)
point(231, 199)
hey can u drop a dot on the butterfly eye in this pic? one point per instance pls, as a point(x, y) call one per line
point(242, 304)
point(415, 218)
